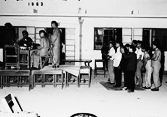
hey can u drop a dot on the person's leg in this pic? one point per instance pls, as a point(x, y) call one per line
point(111, 71)
point(138, 74)
point(103, 58)
point(156, 79)
point(56, 55)
point(125, 78)
point(106, 63)
point(131, 81)
point(128, 79)
point(149, 76)
point(118, 76)
point(144, 84)
point(145, 75)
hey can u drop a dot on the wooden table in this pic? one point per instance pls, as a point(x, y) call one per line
point(71, 70)
point(47, 71)
point(86, 61)
point(64, 71)
point(17, 74)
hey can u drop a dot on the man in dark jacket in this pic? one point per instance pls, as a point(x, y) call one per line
point(25, 41)
point(131, 68)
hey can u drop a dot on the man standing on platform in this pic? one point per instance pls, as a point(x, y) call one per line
point(55, 43)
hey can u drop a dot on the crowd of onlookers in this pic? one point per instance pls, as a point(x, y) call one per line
point(139, 63)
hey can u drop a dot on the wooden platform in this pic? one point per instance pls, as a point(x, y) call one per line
point(62, 73)
point(19, 77)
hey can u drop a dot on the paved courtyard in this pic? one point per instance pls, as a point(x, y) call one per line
point(57, 102)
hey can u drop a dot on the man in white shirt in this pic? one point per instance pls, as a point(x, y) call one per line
point(116, 63)
point(110, 63)
point(140, 56)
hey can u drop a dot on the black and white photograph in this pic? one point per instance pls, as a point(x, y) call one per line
point(83, 58)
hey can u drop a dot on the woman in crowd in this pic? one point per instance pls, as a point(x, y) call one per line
point(110, 63)
point(156, 64)
point(148, 68)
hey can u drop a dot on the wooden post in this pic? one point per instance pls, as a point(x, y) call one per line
point(80, 37)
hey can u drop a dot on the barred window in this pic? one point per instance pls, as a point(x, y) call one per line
point(105, 35)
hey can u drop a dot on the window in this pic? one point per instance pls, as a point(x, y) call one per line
point(161, 35)
point(105, 35)
point(150, 35)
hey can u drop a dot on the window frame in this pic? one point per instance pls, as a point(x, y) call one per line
point(110, 36)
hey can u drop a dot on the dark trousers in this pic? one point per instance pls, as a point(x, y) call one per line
point(130, 80)
point(125, 78)
point(118, 76)
point(105, 64)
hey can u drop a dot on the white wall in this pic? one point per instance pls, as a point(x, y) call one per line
point(100, 7)
point(119, 10)
point(88, 28)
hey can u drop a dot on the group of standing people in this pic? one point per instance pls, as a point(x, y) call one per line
point(140, 64)
point(49, 42)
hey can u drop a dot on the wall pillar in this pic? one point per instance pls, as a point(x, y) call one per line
point(80, 36)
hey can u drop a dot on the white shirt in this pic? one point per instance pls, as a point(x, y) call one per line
point(111, 52)
point(139, 53)
point(117, 58)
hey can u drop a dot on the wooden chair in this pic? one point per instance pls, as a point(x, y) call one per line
point(11, 104)
point(11, 53)
point(25, 54)
point(45, 60)
point(13, 108)
point(83, 115)
point(85, 70)
point(72, 74)
point(96, 69)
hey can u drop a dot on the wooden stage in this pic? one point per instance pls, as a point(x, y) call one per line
point(60, 76)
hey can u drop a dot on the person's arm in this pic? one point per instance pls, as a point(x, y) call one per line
point(29, 42)
point(116, 54)
point(156, 55)
point(41, 44)
point(111, 53)
point(58, 36)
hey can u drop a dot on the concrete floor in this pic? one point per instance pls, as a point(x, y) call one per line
point(55, 102)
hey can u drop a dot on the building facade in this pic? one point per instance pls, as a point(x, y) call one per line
point(88, 23)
